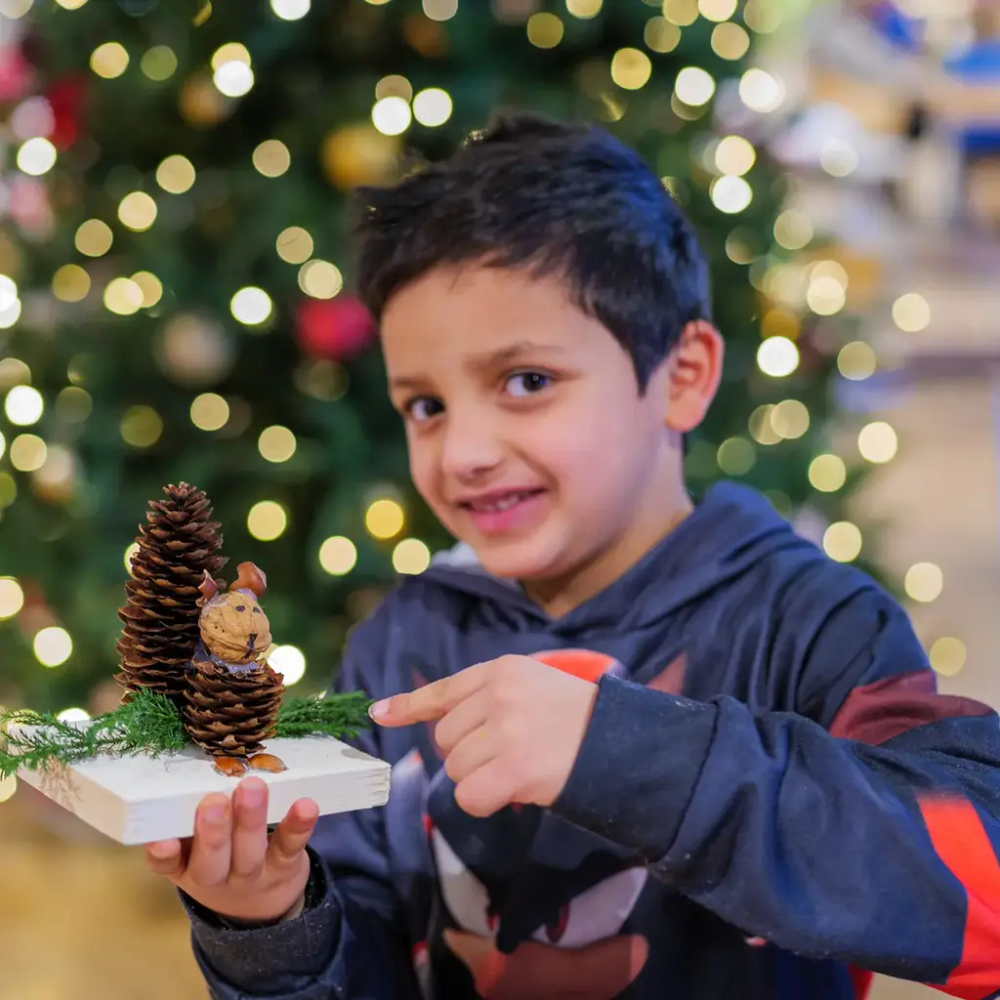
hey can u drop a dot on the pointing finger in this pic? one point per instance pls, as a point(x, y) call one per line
point(428, 703)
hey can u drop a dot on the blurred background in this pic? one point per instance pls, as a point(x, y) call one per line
point(175, 304)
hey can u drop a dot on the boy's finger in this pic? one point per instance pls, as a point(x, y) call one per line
point(165, 857)
point(466, 717)
point(212, 845)
point(292, 834)
point(249, 829)
point(471, 753)
point(428, 703)
point(487, 790)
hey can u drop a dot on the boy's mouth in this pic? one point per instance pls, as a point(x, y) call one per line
point(497, 502)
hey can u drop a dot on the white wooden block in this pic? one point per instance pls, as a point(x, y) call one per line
point(139, 799)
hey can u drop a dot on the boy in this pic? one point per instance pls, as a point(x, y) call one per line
point(641, 749)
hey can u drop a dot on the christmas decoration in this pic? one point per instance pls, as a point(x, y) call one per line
point(338, 328)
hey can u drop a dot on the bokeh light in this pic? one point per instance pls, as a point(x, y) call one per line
point(717, 10)
point(631, 68)
point(24, 405)
point(150, 286)
point(432, 107)
point(777, 357)
point(320, 279)
point(141, 426)
point(947, 655)
point(694, 86)
point(53, 646)
point(159, 63)
point(11, 597)
point(93, 238)
point(584, 9)
point(411, 556)
point(856, 361)
point(440, 10)
point(924, 582)
point(681, 12)
point(384, 519)
point(793, 229)
point(731, 194)
point(130, 553)
point(827, 473)
point(71, 283)
point(251, 306)
point(176, 174)
point(736, 456)
point(109, 60)
point(790, 419)
point(36, 157)
point(842, 541)
point(267, 520)
point(338, 555)
point(730, 41)
point(660, 35)
point(290, 662)
point(276, 444)
point(911, 313)
point(123, 296)
point(272, 158)
point(545, 31)
point(291, 10)
point(735, 156)
point(234, 78)
point(391, 115)
point(209, 412)
point(877, 442)
point(28, 452)
point(760, 91)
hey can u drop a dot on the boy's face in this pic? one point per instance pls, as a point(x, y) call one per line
point(527, 434)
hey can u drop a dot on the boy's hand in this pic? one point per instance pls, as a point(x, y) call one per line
point(231, 866)
point(510, 729)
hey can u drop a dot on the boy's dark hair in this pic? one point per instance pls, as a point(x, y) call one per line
point(559, 199)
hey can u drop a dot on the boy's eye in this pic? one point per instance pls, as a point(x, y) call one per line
point(423, 408)
point(526, 383)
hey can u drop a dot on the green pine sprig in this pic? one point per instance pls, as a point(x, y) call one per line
point(151, 723)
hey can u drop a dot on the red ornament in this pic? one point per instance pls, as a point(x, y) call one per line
point(67, 97)
point(337, 328)
point(15, 73)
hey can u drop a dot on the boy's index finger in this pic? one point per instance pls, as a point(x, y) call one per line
point(428, 703)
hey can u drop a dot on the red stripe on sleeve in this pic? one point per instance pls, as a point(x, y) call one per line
point(962, 844)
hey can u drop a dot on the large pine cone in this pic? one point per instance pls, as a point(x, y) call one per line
point(177, 545)
point(230, 714)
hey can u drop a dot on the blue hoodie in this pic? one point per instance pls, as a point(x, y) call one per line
point(771, 800)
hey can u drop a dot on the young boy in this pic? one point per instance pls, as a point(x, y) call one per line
point(641, 748)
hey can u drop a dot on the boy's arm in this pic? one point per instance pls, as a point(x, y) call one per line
point(349, 941)
point(871, 836)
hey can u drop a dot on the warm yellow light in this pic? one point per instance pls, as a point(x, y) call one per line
point(74, 404)
point(682, 12)
point(790, 419)
point(717, 10)
point(109, 60)
point(735, 156)
point(150, 286)
point(71, 4)
point(878, 443)
point(24, 405)
point(267, 520)
point(391, 115)
point(123, 297)
point(209, 412)
point(826, 296)
point(838, 158)
point(3, 444)
point(11, 597)
point(661, 35)
point(291, 10)
point(13, 371)
point(73, 715)
point(338, 555)
point(793, 229)
point(384, 519)
point(440, 10)
point(320, 279)
point(14, 9)
point(736, 456)
point(271, 158)
point(36, 157)
point(233, 79)
point(176, 174)
point(8, 295)
point(911, 313)
point(276, 444)
point(141, 426)
point(290, 662)
point(10, 315)
point(394, 86)
point(760, 91)
point(230, 52)
point(432, 107)
point(71, 283)
point(777, 357)
point(731, 194)
point(631, 68)
point(924, 582)
point(295, 245)
point(545, 31)
point(130, 554)
point(251, 306)
point(53, 646)
point(730, 41)
point(94, 238)
point(584, 9)
point(856, 361)
point(159, 63)
point(947, 655)
point(842, 541)
point(760, 427)
point(55, 479)
point(827, 473)
point(763, 16)
point(28, 452)
point(411, 556)
point(694, 86)
point(137, 211)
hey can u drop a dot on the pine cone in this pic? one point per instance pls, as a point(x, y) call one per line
point(176, 545)
point(230, 714)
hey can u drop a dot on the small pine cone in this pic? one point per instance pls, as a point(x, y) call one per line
point(177, 545)
point(229, 713)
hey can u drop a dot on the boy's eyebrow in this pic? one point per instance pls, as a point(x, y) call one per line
point(485, 362)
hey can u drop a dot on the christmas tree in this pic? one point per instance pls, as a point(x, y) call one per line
point(175, 274)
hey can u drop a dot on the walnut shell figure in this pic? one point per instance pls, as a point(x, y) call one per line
point(232, 696)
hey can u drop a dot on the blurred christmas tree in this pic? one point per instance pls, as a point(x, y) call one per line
point(175, 246)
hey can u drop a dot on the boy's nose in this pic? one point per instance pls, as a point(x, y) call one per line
point(471, 447)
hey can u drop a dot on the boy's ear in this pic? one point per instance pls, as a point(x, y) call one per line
point(694, 369)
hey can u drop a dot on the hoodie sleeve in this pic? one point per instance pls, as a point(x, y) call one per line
point(868, 833)
point(350, 941)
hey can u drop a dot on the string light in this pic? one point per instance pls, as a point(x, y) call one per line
point(826, 296)
point(320, 279)
point(53, 646)
point(176, 174)
point(660, 35)
point(24, 405)
point(109, 60)
point(924, 582)
point(432, 107)
point(338, 555)
point(631, 68)
point(267, 520)
point(271, 158)
point(734, 156)
point(130, 553)
point(209, 412)
point(290, 662)
point(295, 245)
point(779, 322)
point(276, 444)
point(947, 655)
point(150, 286)
point(94, 238)
point(584, 9)
point(878, 443)
point(827, 473)
point(251, 306)
point(730, 41)
point(11, 597)
point(731, 194)
point(391, 115)
point(411, 556)
point(760, 91)
point(911, 313)
point(694, 86)
point(545, 31)
point(71, 283)
point(790, 419)
point(36, 157)
point(234, 78)
point(856, 361)
point(123, 297)
point(28, 452)
point(760, 426)
point(159, 63)
point(73, 715)
point(384, 519)
point(793, 230)
point(777, 357)
point(681, 12)
point(230, 52)
point(291, 10)
point(762, 16)
point(842, 541)
point(141, 426)
point(440, 10)
point(394, 86)
point(736, 456)
point(12, 370)
point(74, 405)
point(717, 10)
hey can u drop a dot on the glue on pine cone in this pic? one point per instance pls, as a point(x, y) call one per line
point(177, 545)
point(230, 713)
